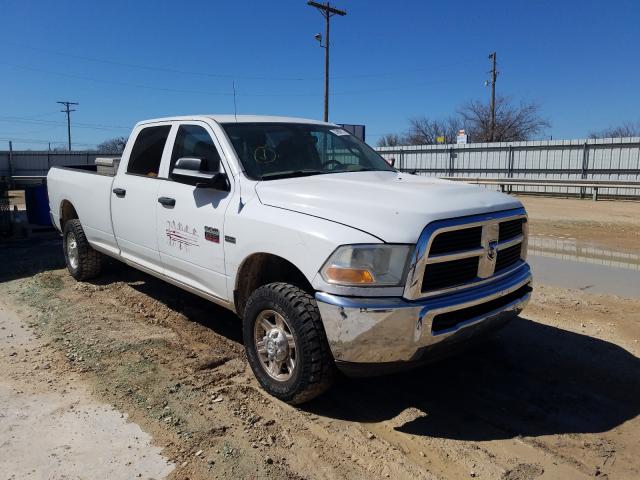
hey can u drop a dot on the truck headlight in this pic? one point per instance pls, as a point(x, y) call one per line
point(367, 265)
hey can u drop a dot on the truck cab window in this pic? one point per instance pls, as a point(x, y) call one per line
point(193, 141)
point(146, 153)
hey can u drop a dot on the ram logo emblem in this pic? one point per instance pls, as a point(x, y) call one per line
point(492, 249)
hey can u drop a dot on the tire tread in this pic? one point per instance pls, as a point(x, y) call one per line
point(90, 260)
point(319, 372)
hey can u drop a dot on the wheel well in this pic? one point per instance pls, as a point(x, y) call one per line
point(67, 212)
point(261, 269)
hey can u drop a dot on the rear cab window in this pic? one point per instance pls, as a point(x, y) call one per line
point(146, 153)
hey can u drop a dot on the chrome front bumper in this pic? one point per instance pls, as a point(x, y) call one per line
point(390, 330)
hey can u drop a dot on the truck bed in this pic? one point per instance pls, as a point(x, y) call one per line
point(89, 191)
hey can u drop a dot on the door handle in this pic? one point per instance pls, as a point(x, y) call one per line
point(167, 202)
point(120, 192)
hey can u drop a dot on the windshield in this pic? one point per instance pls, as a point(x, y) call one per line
point(269, 151)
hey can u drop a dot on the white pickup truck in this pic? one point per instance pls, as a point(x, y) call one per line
point(329, 255)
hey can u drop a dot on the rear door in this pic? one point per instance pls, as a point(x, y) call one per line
point(191, 231)
point(134, 198)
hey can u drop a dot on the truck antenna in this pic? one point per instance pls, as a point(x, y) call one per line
point(235, 106)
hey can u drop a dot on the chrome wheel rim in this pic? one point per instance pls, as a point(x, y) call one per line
point(275, 345)
point(72, 250)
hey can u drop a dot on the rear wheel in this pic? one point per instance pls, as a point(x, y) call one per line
point(83, 262)
point(285, 343)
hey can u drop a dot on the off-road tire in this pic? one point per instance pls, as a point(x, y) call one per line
point(315, 369)
point(89, 261)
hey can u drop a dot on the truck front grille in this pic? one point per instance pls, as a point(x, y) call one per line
point(467, 254)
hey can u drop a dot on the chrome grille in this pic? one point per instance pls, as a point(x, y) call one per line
point(451, 257)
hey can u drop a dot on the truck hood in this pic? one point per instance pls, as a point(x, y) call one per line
point(392, 206)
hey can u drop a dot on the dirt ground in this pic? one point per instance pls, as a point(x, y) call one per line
point(554, 395)
point(80, 431)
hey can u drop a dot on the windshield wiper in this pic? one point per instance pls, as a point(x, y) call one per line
point(295, 173)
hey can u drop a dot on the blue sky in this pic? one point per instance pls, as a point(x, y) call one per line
point(124, 61)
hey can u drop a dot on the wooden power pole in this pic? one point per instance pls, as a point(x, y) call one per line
point(68, 111)
point(494, 76)
point(327, 12)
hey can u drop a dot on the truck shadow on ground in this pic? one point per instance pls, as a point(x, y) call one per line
point(529, 379)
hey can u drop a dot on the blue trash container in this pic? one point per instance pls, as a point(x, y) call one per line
point(37, 203)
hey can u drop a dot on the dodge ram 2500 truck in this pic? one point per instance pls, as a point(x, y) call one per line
point(330, 256)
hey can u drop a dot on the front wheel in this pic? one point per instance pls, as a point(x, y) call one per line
point(286, 344)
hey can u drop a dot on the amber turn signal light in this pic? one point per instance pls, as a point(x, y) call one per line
point(349, 275)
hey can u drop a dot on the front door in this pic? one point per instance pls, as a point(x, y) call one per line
point(134, 198)
point(191, 227)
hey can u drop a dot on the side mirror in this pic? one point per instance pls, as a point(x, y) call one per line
point(189, 170)
point(392, 162)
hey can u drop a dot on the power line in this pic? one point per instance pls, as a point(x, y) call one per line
point(44, 142)
point(397, 70)
point(112, 82)
point(153, 67)
point(68, 111)
point(91, 126)
point(149, 87)
point(200, 92)
point(31, 132)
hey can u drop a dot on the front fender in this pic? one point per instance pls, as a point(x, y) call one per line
point(301, 239)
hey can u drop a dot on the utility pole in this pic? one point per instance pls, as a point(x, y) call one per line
point(68, 111)
point(10, 161)
point(494, 76)
point(327, 12)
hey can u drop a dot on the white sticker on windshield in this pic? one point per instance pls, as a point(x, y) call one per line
point(339, 131)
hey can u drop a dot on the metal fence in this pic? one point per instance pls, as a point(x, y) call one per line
point(37, 163)
point(601, 159)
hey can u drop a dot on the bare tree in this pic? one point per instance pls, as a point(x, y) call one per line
point(627, 129)
point(113, 145)
point(513, 122)
point(425, 131)
point(390, 140)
